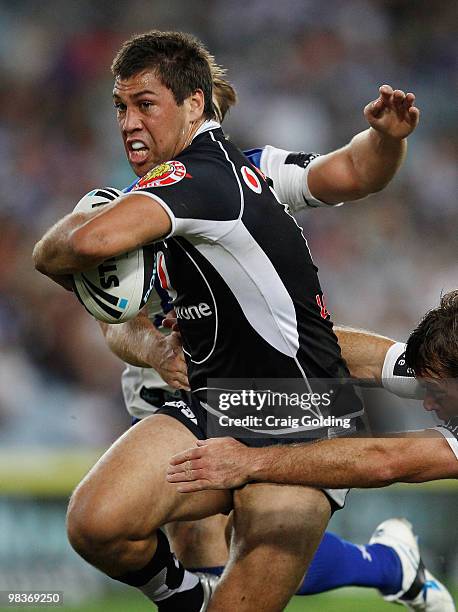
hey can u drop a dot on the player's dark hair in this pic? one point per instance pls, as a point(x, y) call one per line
point(179, 60)
point(433, 345)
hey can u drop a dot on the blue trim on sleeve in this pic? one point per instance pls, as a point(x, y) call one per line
point(254, 155)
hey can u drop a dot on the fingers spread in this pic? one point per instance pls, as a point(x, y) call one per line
point(186, 476)
point(186, 466)
point(409, 100)
point(398, 96)
point(187, 455)
point(386, 92)
point(377, 107)
point(414, 115)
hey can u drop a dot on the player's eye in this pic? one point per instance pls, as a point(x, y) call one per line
point(435, 391)
point(119, 106)
point(146, 104)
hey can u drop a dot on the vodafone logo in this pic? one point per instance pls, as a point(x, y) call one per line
point(251, 179)
point(163, 175)
point(193, 312)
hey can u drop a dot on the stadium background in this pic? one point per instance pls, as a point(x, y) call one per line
point(304, 69)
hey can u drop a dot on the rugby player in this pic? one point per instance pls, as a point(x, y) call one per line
point(431, 454)
point(147, 353)
point(163, 96)
point(201, 545)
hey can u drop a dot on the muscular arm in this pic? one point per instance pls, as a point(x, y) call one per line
point(342, 463)
point(81, 241)
point(132, 341)
point(360, 462)
point(364, 352)
point(372, 157)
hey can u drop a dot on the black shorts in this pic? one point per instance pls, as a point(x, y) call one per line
point(193, 416)
point(188, 411)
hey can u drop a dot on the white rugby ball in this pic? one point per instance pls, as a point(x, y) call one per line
point(117, 289)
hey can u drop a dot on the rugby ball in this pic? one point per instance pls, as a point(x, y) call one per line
point(117, 289)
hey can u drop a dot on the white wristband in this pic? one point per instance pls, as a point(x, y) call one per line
point(397, 377)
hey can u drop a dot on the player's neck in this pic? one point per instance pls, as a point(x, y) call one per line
point(193, 129)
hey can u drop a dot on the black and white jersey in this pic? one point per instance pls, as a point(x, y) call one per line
point(289, 172)
point(239, 271)
point(450, 432)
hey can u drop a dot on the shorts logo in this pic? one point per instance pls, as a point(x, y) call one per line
point(162, 176)
point(189, 414)
point(184, 409)
point(250, 178)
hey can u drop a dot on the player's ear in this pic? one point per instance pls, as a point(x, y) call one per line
point(196, 104)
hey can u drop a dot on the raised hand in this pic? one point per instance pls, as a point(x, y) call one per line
point(393, 113)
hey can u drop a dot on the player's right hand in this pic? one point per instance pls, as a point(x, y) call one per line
point(393, 113)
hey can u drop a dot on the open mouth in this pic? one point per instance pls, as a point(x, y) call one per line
point(138, 151)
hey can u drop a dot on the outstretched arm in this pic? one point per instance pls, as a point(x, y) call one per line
point(364, 352)
point(372, 158)
point(224, 463)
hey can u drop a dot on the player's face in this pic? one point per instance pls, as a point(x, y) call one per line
point(154, 128)
point(441, 396)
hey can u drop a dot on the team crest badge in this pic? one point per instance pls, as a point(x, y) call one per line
point(162, 176)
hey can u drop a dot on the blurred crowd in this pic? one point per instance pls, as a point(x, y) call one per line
point(304, 70)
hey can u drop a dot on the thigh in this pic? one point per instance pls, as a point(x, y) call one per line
point(278, 513)
point(276, 530)
point(128, 486)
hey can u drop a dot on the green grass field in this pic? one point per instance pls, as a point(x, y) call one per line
point(344, 600)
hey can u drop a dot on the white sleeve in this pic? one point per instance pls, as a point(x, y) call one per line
point(289, 174)
point(397, 377)
point(450, 433)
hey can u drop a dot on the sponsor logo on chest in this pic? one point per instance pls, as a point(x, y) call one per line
point(198, 311)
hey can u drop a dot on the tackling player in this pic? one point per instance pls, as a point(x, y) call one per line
point(432, 352)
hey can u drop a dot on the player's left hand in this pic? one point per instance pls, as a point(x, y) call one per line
point(171, 322)
point(216, 463)
point(393, 113)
